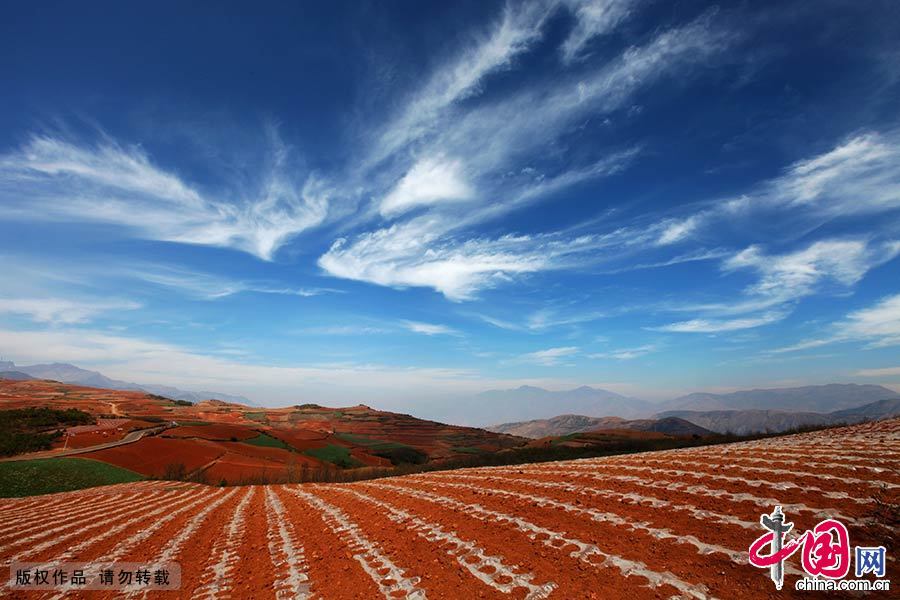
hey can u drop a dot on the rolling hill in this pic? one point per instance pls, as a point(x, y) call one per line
point(219, 441)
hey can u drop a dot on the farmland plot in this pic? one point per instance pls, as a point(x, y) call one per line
point(663, 524)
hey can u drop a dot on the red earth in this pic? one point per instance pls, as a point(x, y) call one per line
point(665, 524)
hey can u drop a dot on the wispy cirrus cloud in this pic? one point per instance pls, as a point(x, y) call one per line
point(857, 176)
point(477, 146)
point(783, 280)
point(53, 178)
point(627, 353)
point(416, 253)
point(205, 285)
point(594, 18)
point(883, 372)
point(722, 325)
point(64, 311)
point(430, 328)
point(549, 357)
point(877, 326)
point(430, 181)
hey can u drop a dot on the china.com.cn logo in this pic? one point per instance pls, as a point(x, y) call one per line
point(825, 555)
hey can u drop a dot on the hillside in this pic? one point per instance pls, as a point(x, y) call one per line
point(568, 424)
point(754, 421)
point(218, 441)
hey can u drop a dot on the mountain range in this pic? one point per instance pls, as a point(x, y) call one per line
point(754, 421)
point(810, 398)
point(528, 403)
point(66, 373)
point(568, 424)
point(528, 409)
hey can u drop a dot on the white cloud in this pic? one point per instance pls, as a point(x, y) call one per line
point(419, 253)
point(492, 136)
point(860, 175)
point(794, 275)
point(519, 28)
point(430, 181)
point(627, 353)
point(548, 318)
point(62, 310)
point(429, 328)
point(549, 357)
point(205, 285)
point(343, 330)
point(879, 324)
point(721, 325)
point(885, 372)
point(50, 178)
point(678, 230)
point(784, 279)
point(593, 18)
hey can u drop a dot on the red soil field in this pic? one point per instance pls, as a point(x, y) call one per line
point(214, 431)
point(150, 456)
point(236, 468)
point(652, 525)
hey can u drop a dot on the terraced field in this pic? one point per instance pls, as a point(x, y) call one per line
point(666, 524)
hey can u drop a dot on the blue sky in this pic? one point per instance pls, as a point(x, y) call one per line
point(402, 203)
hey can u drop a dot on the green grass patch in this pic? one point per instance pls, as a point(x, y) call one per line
point(49, 475)
point(259, 417)
point(367, 442)
point(267, 441)
point(193, 423)
point(338, 455)
point(397, 453)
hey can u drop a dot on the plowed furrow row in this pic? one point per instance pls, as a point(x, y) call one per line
point(175, 545)
point(585, 552)
point(111, 521)
point(391, 580)
point(123, 550)
point(859, 450)
point(22, 510)
point(75, 515)
point(103, 539)
point(631, 498)
point(291, 579)
point(776, 459)
point(698, 489)
point(435, 564)
point(224, 555)
point(788, 489)
point(488, 569)
point(616, 520)
point(849, 481)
